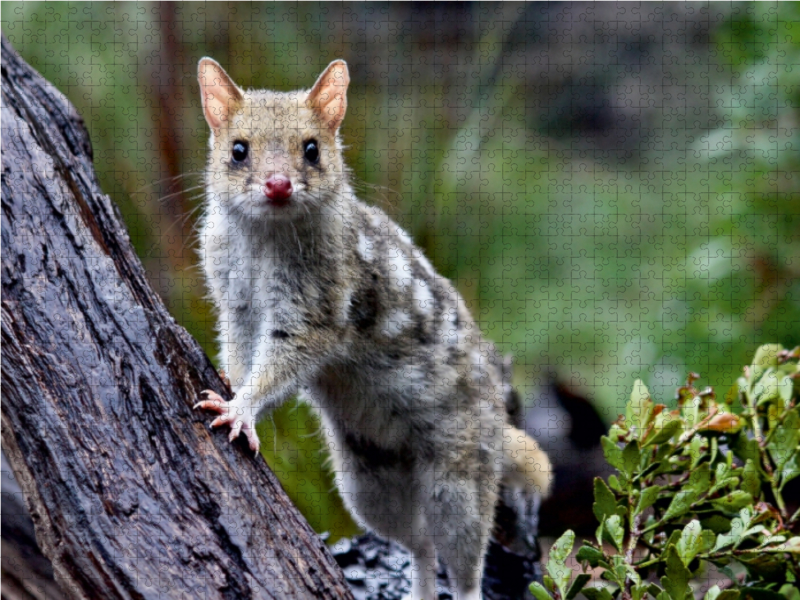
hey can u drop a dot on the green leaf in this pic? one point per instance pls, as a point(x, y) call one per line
point(733, 502)
point(700, 479)
point(714, 593)
point(771, 539)
point(746, 515)
point(723, 478)
point(562, 547)
point(630, 458)
point(697, 450)
point(792, 546)
point(600, 533)
point(790, 592)
point(763, 565)
point(640, 408)
point(676, 580)
point(605, 502)
point(785, 439)
point(751, 482)
point(647, 498)
point(665, 426)
point(790, 470)
point(717, 524)
point(618, 431)
point(639, 592)
point(614, 528)
point(767, 356)
point(577, 585)
point(681, 503)
point(556, 567)
point(785, 389)
point(734, 535)
point(630, 572)
point(766, 389)
point(755, 530)
point(648, 470)
point(538, 591)
point(753, 593)
point(746, 449)
point(601, 593)
point(673, 539)
point(691, 542)
point(591, 555)
point(613, 453)
point(617, 573)
point(707, 540)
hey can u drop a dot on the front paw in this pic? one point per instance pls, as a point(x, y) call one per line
point(234, 413)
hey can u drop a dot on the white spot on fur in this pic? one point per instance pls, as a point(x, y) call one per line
point(423, 297)
point(395, 322)
point(449, 329)
point(399, 269)
point(344, 306)
point(364, 247)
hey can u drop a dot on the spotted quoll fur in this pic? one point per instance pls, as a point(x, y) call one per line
point(318, 293)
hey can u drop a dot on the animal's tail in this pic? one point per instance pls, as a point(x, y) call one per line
point(526, 465)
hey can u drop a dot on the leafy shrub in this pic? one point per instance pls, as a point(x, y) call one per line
point(700, 484)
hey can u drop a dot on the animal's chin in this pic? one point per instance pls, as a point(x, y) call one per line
point(266, 209)
point(278, 203)
point(259, 207)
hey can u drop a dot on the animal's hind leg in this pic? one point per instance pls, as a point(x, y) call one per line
point(423, 560)
point(464, 512)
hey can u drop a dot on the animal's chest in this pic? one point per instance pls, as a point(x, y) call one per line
point(260, 294)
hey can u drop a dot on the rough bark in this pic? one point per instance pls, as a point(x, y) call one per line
point(130, 494)
point(26, 573)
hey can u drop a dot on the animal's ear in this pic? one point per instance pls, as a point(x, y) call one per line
point(220, 96)
point(328, 97)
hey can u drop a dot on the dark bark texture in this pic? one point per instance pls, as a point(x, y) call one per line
point(130, 494)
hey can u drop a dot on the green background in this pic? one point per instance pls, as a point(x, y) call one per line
point(612, 206)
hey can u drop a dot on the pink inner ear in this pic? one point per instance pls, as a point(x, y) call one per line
point(218, 93)
point(328, 98)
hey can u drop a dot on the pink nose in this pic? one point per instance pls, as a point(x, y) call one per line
point(278, 187)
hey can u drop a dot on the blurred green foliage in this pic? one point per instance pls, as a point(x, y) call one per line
point(597, 265)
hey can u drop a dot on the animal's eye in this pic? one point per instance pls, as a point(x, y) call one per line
point(311, 151)
point(240, 151)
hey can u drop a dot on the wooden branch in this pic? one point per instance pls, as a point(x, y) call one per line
point(130, 494)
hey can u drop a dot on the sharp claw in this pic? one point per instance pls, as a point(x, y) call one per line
point(219, 421)
point(253, 439)
point(229, 414)
point(213, 401)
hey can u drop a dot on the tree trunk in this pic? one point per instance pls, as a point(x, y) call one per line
point(130, 494)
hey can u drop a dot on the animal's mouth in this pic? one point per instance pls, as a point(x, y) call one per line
point(277, 202)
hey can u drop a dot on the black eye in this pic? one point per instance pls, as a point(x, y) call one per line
point(311, 151)
point(239, 151)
